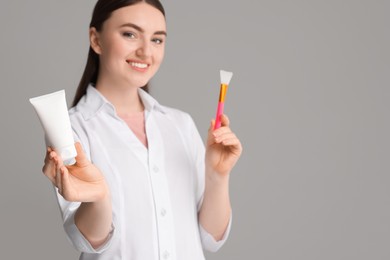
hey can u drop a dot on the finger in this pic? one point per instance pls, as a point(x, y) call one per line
point(49, 168)
point(233, 145)
point(47, 157)
point(228, 139)
point(221, 131)
point(225, 120)
point(225, 136)
point(58, 164)
point(210, 136)
point(212, 124)
point(58, 179)
point(231, 142)
point(57, 158)
point(46, 161)
point(65, 181)
point(81, 158)
point(51, 177)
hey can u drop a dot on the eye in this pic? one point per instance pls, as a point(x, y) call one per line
point(157, 40)
point(128, 35)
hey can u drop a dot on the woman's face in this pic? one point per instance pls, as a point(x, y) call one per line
point(130, 45)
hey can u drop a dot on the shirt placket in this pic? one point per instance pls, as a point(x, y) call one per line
point(160, 190)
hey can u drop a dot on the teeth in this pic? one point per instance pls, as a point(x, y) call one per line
point(139, 65)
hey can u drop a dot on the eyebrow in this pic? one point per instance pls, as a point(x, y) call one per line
point(138, 28)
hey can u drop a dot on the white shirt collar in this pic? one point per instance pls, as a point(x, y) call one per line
point(94, 101)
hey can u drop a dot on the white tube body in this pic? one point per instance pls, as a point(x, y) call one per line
point(53, 115)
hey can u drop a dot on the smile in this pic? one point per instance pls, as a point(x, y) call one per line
point(138, 65)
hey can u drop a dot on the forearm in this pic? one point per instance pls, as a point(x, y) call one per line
point(94, 219)
point(215, 212)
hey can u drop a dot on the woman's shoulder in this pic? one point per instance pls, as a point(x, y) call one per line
point(177, 114)
point(182, 120)
point(75, 114)
point(78, 121)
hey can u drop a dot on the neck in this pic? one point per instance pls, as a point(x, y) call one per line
point(124, 98)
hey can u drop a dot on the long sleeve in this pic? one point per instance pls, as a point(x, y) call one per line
point(198, 148)
point(68, 211)
point(80, 243)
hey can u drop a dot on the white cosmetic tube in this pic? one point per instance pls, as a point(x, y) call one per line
point(53, 115)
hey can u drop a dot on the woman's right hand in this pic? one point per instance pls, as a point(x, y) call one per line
point(82, 182)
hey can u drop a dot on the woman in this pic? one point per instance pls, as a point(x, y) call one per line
point(143, 186)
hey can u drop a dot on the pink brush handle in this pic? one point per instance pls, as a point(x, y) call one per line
point(218, 116)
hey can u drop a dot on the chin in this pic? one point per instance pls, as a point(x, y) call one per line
point(139, 83)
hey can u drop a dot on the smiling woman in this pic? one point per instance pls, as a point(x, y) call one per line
point(134, 35)
point(101, 13)
point(143, 185)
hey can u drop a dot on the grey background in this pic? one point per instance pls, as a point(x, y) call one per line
point(309, 99)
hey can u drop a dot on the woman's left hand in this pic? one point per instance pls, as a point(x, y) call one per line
point(223, 148)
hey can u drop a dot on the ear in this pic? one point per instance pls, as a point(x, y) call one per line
point(94, 40)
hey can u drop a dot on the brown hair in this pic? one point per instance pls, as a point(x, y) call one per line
point(101, 13)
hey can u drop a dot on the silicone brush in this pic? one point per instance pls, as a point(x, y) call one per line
point(226, 76)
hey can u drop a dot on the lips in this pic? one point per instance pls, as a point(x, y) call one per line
point(138, 65)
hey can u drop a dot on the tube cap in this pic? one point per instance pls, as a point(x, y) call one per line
point(68, 154)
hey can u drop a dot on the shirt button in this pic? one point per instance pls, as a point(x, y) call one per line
point(163, 212)
point(166, 255)
point(155, 169)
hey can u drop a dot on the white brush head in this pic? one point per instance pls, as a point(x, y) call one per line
point(226, 76)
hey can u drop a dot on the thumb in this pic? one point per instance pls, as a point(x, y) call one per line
point(81, 158)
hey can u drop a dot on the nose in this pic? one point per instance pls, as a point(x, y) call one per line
point(144, 49)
